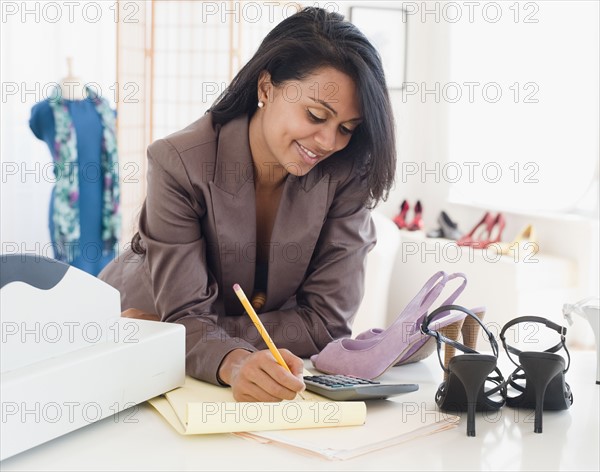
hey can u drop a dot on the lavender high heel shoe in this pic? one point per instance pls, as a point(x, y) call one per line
point(591, 312)
point(369, 358)
point(424, 350)
point(423, 346)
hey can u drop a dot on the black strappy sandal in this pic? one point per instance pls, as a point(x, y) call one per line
point(464, 389)
point(543, 373)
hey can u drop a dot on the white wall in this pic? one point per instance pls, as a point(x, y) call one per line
point(37, 37)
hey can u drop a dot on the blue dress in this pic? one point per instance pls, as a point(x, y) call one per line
point(88, 129)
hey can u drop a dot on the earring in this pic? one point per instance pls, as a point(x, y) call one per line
point(261, 104)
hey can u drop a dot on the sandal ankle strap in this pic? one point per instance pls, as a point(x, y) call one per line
point(562, 330)
point(440, 338)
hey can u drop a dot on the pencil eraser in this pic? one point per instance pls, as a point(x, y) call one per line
point(237, 287)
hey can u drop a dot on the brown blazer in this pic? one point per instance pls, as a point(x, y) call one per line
point(198, 225)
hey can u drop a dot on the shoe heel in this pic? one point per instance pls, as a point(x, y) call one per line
point(470, 328)
point(467, 374)
point(472, 370)
point(452, 331)
point(540, 369)
point(592, 314)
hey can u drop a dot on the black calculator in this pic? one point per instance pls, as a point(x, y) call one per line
point(346, 387)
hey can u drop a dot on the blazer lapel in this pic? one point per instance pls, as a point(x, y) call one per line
point(302, 210)
point(300, 216)
point(235, 219)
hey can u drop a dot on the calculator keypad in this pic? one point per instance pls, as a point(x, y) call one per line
point(348, 388)
point(337, 381)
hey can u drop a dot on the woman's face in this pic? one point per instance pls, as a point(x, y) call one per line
point(304, 122)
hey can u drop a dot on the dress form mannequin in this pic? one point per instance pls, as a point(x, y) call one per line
point(88, 127)
point(71, 86)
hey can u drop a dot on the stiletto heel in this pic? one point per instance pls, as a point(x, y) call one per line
point(464, 388)
point(540, 369)
point(543, 372)
point(591, 312)
point(472, 371)
point(495, 232)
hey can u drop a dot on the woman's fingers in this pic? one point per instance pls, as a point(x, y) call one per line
point(259, 387)
point(261, 378)
point(295, 364)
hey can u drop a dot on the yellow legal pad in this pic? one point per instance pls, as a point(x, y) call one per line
point(202, 408)
point(302, 426)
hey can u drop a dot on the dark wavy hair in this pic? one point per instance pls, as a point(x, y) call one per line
point(302, 43)
point(296, 47)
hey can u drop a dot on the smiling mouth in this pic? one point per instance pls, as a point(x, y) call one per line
point(309, 156)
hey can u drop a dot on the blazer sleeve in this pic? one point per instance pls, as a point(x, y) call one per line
point(329, 297)
point(183, 287)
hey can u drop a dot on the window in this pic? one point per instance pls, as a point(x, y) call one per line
point(522, 106)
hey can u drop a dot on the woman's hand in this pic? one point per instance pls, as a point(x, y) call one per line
point(256, 376)
point(139, 315)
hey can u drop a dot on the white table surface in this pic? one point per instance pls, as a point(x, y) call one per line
point(139, 439)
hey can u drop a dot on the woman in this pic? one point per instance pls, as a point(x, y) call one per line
point(270, 189)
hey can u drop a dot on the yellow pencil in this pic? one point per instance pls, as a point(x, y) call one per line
point(260, 327)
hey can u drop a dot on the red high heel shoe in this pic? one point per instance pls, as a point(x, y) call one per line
point(495, 233)
point(479, 236)
point(400, 218)
point(417, 222)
